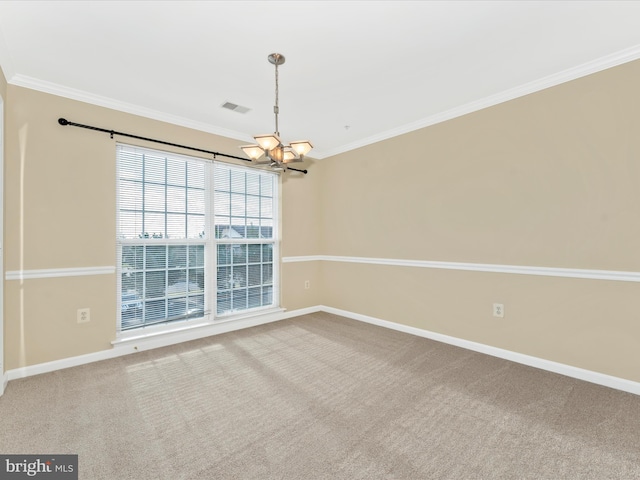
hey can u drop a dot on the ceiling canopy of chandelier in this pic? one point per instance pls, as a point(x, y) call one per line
point(269, 146)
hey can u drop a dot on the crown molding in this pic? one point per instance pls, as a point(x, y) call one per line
point(602, 63)
point(87, 97)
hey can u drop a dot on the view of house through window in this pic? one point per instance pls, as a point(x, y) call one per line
point(195, 238)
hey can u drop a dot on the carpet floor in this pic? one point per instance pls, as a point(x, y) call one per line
point(322, 397)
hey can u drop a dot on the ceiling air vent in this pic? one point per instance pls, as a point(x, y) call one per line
point(235, 108)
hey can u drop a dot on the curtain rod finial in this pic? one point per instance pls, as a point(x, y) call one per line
point(63, 121)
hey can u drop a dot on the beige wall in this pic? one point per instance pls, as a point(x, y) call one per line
point(550, 179)
point(60, 213)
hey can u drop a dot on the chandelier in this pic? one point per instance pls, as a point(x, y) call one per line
point(276, 155)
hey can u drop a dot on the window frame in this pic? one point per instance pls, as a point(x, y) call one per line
point(210, 243)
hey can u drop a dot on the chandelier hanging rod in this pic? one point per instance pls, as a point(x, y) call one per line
point(270, 150)
point(65, 122)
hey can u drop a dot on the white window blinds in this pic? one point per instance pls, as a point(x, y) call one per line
point(195, 238)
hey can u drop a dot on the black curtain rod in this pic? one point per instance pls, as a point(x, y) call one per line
point(64, 122)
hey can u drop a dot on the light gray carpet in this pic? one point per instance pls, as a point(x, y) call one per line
point(322, 397)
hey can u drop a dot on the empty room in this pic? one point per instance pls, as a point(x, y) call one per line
point(320, 240)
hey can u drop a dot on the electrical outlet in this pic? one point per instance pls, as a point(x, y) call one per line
point(307, 284)
point(498, 310)
point(84, 315)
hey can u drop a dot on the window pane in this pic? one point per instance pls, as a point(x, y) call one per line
point(267, 274)
point(156, 256)
point(238, 229)
point(253, 206)
point(177, 307)
point(154, 310)
point(255, 275)
point(266, 228)
point(223, 302)
point(239, 299)
point(196, 172)
point(238, 181)
point(266, 208)
point(130, 165)
point(154, 169)
point(130, 195)
point(195, 201)
point(266, 186)
point(239, 253)
point(195, 226)
point(177, 282)
point(196, 280)
point(253, 229)
point(222, 227)
point(255, 297)
point(267, 296)
point(267, 253)
point(196, 255)
point(239, 276)
point(222, 204)
point(130, 224)
point(221, 179)
point(238, 205)
point(155, 284)
point(177, 256)
point(176, 199)
point(176, 172)
point(224, 278)
point(254, 253)
point(154, 225)
point(224, 254)
point(154, 197)
point(131, 286)
point(176, 225)
point(132, 257)
point(253, 183)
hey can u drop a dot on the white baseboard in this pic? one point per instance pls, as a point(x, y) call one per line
point(134, 345)
point(141, 344)
point(555, 367)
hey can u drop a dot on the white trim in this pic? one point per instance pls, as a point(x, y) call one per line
point(616, 275)
point(91, 98)
point(129, 346)
point(58, 272)
point(5, 381)
point(308, 258)
point(603, 63)
point(133, 345)
point(548, 365)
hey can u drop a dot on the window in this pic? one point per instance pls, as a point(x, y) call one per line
point(195, 238)
point(244, 235)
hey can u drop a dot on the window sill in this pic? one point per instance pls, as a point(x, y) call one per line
point(152, 337)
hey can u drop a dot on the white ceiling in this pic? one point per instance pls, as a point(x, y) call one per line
point(356, 72)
